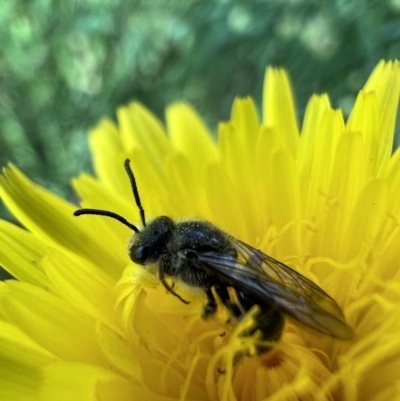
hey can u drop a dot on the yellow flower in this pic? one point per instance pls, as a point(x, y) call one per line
point(84, 323)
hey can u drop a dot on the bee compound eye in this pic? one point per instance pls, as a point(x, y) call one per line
point(139, 254)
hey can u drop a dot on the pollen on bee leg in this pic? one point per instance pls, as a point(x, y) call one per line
point(236, 343)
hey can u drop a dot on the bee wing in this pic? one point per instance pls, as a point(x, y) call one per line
point(269, 279)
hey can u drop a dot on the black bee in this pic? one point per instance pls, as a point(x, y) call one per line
point(201, 255)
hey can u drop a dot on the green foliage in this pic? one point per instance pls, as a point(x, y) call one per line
point(66, 64)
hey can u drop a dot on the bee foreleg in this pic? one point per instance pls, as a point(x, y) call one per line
point(161, 268)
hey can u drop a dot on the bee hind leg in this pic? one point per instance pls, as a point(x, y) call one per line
point(269, 321)
point(225, 298)
point(210, 308)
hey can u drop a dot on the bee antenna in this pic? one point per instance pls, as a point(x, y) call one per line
point(134, 190)
point(107, 213)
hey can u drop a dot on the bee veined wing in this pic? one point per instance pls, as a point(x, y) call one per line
point(272, 281)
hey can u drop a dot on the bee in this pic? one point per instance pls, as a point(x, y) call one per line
point(201, 255)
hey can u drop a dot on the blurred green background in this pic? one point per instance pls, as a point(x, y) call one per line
point(66, 64)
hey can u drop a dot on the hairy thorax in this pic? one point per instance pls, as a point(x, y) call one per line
point(192, 237)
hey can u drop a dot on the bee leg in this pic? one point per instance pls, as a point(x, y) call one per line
point(162, 266)
point(210, 307)
point(269, 321)
point(234, 309)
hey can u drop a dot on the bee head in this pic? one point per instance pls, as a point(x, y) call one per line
point(146, 246)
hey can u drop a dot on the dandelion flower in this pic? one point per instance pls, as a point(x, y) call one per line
point(82, 322)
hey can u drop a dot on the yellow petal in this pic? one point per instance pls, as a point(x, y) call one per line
point(18, 382)
point(21, 253)
point(19, 349)
point(316, 108)
point(365, 119)
point(349, 175)
point(75, 381)
point(385, 82)
point(366, 219)
point(53, 323)
point(81, 284)
point(218, 184)
point(278, 107)
point(141, 129)
point(183, 181)
point(235, 163)
point(245, 120)
point(285, 202)
point(118, 352)
point(52, 218)
point(190, 135)
point(105, 144)
point(316, 177)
